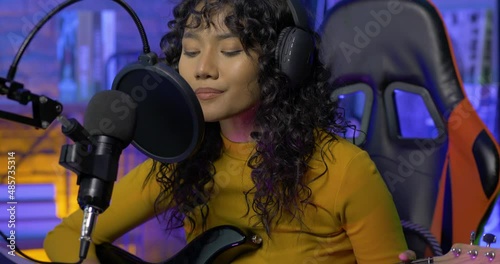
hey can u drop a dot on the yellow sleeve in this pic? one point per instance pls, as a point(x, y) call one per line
point(130, 206)
point(369, 215)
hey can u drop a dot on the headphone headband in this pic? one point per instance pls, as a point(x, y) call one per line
point(299, 14)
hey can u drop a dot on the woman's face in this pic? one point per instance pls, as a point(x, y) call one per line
point(223, 76)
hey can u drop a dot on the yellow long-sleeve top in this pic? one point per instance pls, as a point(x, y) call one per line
point(354, 221)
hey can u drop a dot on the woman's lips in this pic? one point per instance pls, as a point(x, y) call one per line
point(206, 93)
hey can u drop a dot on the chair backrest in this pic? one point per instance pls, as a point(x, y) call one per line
point(393, 69)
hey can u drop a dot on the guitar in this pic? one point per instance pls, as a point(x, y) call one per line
point(218, 245)
point(223, 244)
point(465, 253)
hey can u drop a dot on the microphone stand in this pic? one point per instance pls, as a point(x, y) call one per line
point(45, 110)
point(88, 155)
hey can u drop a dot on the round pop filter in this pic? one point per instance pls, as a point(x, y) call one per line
point(169, 124)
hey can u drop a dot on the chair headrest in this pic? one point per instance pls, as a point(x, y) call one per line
point(384, 41)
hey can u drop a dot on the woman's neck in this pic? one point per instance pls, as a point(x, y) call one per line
point(238, 128)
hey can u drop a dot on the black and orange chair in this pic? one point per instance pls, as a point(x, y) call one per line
point(395, 75)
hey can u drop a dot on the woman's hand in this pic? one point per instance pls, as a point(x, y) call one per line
point(408, 256)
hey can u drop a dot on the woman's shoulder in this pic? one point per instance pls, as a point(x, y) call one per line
point(337, 146)
point(144, 166)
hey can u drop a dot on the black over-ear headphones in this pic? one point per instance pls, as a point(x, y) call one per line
point(295, 47)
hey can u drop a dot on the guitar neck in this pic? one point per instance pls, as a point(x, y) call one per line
point(464, 253)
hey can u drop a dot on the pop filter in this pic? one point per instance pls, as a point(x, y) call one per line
point(170, 123)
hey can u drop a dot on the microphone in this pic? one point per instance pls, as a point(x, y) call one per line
point(95, 156)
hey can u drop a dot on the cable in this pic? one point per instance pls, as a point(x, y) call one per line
point(18, 250)
point(145, 44)
point(29, 38)
point(13, 68)
point(425, 234)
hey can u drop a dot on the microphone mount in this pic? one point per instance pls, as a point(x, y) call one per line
point(45, 109)
point(94, 160)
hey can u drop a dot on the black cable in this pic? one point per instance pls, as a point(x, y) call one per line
point(13, 68)
point(145, 44)
point(18, 250)
point(425, 234)
point(29, 38)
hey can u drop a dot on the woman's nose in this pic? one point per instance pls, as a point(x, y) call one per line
point(207, 66)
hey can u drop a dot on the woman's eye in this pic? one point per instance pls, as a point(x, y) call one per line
point(190, 53)
point(231, 53)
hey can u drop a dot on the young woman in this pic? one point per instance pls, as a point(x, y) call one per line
point(270, 161)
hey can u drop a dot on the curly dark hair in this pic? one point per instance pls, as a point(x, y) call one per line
point(290, 121)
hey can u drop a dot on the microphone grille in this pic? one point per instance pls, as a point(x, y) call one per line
point(110, 113)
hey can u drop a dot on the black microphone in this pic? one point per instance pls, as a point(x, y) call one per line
point(95, 156)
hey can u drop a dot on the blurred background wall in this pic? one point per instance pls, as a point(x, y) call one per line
point(80, 50)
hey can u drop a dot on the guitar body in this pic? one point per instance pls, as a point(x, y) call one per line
point(219, 245)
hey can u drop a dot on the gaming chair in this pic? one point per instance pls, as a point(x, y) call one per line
point(392, 66)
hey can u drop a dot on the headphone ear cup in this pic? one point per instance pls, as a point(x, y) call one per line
point(281, 42)
point(294, 54)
